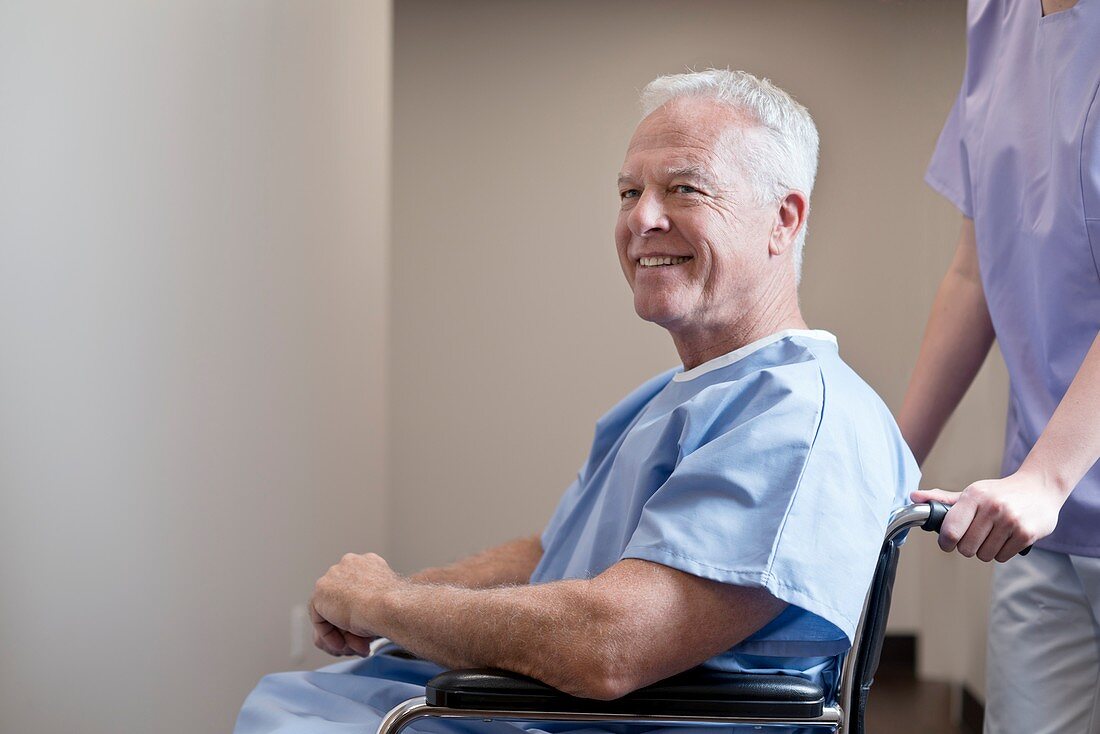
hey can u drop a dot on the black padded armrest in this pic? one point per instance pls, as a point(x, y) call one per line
point(697, 692)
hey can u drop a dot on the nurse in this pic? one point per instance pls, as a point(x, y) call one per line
point(1020, 158)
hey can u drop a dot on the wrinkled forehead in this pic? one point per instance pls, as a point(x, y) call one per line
point(686, 133)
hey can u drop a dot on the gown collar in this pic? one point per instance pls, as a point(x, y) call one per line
point(742, 352)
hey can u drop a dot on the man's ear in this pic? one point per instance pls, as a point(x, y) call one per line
point(790, 219)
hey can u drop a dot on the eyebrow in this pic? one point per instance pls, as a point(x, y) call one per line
point(693, 172)
point(697, 173)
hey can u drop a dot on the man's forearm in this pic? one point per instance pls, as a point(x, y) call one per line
point(633, 624)
point(956, 341)
point(507, 564)
point(531, 630)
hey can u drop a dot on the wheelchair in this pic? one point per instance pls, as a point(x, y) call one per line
point(698, 696)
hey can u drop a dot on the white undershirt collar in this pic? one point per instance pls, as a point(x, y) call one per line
point(737, 354)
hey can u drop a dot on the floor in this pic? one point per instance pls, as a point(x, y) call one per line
point(904, 705)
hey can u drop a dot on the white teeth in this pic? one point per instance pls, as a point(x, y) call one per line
point(652, 262)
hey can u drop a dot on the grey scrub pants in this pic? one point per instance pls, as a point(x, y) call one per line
point(1043, 657)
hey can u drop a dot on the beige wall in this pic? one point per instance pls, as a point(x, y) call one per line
point(194, 317)
point(512, 327)
point(193, 238)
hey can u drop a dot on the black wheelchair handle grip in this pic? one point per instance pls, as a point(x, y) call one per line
point(938, 511)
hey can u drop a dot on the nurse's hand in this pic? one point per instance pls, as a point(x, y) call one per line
point(347, 603)
point(996, 518)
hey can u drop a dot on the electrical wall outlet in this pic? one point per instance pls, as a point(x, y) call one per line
point(301, 633)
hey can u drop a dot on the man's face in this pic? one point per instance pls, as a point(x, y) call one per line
point(691, 238)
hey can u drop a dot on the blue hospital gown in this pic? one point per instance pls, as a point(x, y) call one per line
point(773, 466)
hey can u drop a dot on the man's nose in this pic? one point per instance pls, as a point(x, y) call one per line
point(648, 217)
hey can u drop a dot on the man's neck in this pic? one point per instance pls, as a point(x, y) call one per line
point(702, 346)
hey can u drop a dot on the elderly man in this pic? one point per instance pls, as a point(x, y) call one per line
point(730, 510)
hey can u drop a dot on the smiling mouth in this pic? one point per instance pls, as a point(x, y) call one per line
point(657, 262)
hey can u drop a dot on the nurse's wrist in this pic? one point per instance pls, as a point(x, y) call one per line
point(1054, 483)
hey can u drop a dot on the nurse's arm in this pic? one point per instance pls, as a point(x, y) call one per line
point(634, 624)
point(1070, 444)
point(507, 564)
point(957, 339)
point(997, 518)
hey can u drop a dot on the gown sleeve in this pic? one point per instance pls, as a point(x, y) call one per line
point(782, 497)
point(610, 429)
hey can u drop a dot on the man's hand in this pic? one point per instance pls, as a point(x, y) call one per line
point(997, 518)
point(336, 641)
point(347, 602)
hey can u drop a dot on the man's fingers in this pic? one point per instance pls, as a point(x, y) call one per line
point(327, 637)
point(321, 629)
point(320, 643)
point(330, 642)
point(315, 614)
point(335, 641)
point(358, 645)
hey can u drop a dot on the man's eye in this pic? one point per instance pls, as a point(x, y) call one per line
point(685, 189)
point(629, 194)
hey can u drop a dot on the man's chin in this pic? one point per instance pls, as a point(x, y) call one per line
point(661, 314)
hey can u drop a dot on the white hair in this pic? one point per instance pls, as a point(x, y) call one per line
point(784, 153)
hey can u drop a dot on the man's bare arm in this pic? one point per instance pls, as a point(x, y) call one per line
point(504, 565)
point(634, 624)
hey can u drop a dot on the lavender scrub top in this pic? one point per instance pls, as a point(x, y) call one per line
point(1020, 155)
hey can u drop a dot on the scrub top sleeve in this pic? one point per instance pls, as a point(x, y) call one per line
point(949, 171)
